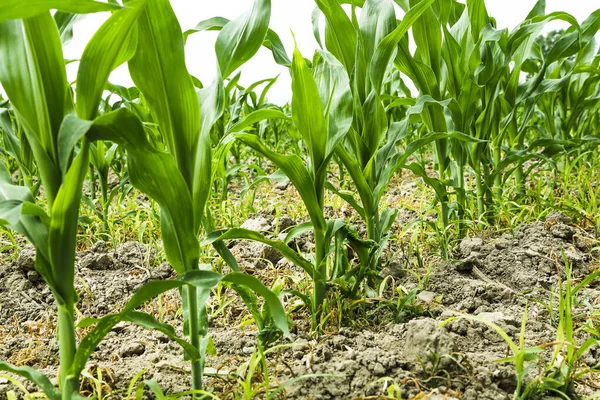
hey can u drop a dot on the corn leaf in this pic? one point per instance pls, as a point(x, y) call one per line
point(271, 42)
point(112, 45)
point(63, 227)
point(307, 110)
point(387, 47)
point(18, 9)
point(34, 376)
point(241, 38)
point(156, 174)
point(271, 299)
point(293, 167)
point(201, 279)
point(159, 71)
point(340, 35)
point(282, 247)
point(33, 75)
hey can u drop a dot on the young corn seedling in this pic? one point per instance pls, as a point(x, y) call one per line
point(321, 110)
point(370, 153)
point(180, 179)
point(32, 72)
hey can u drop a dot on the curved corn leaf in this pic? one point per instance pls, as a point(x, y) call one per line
point(256, 116)
point(17, 9)
point(34, 376)
point(293, 167)
point(241, 38)
point(112, 45)
point(200, 279)
point(282, 247)
point(65, 22)
point(155, 173)
point(276, 309)
point(272, 40)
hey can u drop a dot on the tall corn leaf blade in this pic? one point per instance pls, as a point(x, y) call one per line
point(307, 111)
point(241, 38)
point(112, 45)
point(33, 75)
point(387, 47)
point(159, 71)
point(428, 38)
point(340, 34)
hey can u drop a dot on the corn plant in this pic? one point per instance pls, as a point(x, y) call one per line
point(32, 72)
point(370, 153)
point(180, 179)
point(322, 114)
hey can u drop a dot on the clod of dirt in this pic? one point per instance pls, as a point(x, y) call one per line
point(427, 296)
point(284, 223)
point(259, 224)
point(136, 254)
point(255, 255)
point(132, 349)
point(26, 259)
point(469, 245)
point(97, 257)
point(424, 337)
point(393, 269)
point(163, 271)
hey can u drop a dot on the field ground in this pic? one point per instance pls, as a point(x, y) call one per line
point(390, 344)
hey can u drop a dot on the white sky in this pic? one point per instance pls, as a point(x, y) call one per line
point(287, 15)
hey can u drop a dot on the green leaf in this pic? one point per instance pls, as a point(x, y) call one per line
point(149, 322)
point(65, 22)
point(479, 17)
point(256, 116)
point(112, 45)
point(32, 73)
point(272, 40)
point(293, 167)
point(197, 278)
point(18, 9)
point(334, 89)
point(386, 49)
point(34, 376)
point(307, 110)
point(62, 232)
point(340, 35)
point(282, 247)
point(159, 71)
point(271, 299)
point(241, 38)
point(155, 173)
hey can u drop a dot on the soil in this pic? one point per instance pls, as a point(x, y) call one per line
point(494, 278)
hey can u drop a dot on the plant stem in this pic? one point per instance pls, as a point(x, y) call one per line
point(67, 347)
point(319, 280)
point(480, 193)
point(191, 300)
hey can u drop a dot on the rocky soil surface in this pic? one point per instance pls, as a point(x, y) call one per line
point(493, 278)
